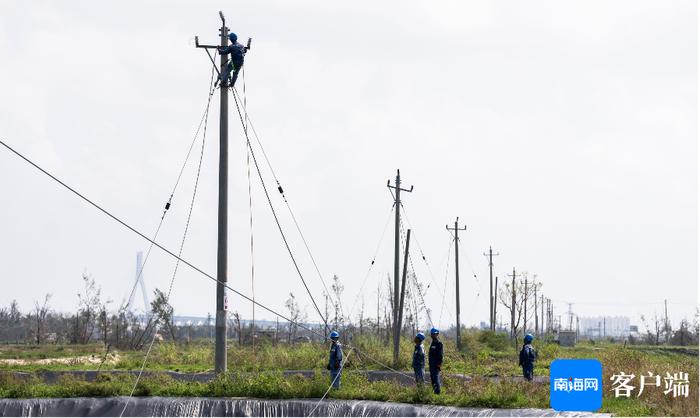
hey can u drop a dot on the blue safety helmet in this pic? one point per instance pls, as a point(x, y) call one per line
point(529, 338)
point(420, 336)
point(434, 331)
point(232, 37)
point(335, 334)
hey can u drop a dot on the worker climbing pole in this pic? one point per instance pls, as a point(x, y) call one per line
point(228, 67)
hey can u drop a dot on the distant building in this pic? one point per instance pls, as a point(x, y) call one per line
point(567, 338)
point(604, 326)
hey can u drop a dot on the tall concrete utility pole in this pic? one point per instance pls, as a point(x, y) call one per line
point(512, 305)
point(222, 239)
point(525, 306)
point(537, 322)
point(403, 289)
point(543, 327)
point(492, 296)
point(397, 206)
point(495, 302)
point(457, 229)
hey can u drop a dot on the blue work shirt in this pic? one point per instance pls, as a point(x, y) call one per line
point(528, 355)
point(336, 356)
point(237, 52)
point(435, 354)
point(418, 357)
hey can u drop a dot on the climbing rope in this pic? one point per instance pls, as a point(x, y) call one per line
point(182, 245)
point(250, 211)
point(179, 258)
point(414, 275)
point(172, 193)
point(284, 196)
point(342, 365)
point(371, 264)
point(447, 271)
point(274, 213)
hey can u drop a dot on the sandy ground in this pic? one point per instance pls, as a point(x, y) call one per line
point(112, 358)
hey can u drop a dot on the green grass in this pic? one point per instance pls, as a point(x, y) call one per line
point(256, 373)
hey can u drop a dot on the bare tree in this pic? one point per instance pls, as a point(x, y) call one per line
point(237, 325)
point(513, 299)
point(337, 288)
point(163, 311)
point(653, 335)
point(294, 316)
point(89, 303)
point(40, 312)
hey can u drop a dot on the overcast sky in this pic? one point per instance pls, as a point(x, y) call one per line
point(563, 134)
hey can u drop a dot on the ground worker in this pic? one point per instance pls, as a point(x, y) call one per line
point(528, 355)
point(435, 359)
point(234, 64)
point(335, 362)
point(419, 359)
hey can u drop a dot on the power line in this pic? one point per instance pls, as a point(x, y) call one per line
point(182, 246)
point(284, 196)
point(172, 254)
point(274, 213)
point(172, 193)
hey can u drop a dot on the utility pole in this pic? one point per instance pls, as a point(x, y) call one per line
point(666, 325)
point(457, 229)
point(543, 326)
point(403, 290)
point(525, 306)
point(536, 319)
point(492, 296)
point(495, 303)
point(222, 240)
point(512, 310)
point(397, 206)
point(571, 317)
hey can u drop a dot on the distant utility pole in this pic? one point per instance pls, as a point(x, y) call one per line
point(397, 206)
point(525, 305)
point(222, 241)
point(495, 303)
point(536, 319)
point(492, 296)
point(512, 305)
point(666, 324)
point(456, 229)
point(403, 283)
point(571, 317)
point(542, 326)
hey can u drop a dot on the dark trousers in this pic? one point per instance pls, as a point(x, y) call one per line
point(335, 378)
point(528, 371)
point(419, 375)
point(435, 379)
point(232, 70)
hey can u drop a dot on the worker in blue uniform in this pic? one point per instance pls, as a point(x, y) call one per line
point(335, 361)
point(435, 359)
point(528, 355)
point(419, 359)
point(234, 64)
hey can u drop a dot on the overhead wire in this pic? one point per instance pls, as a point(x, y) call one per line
point(182, 246)
point(250, 210)
point(447, 271)
point(274, 213)
point(342, 366)
point(172, 194)
point(179, 258)
point(286, 202)
point(372, 263)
